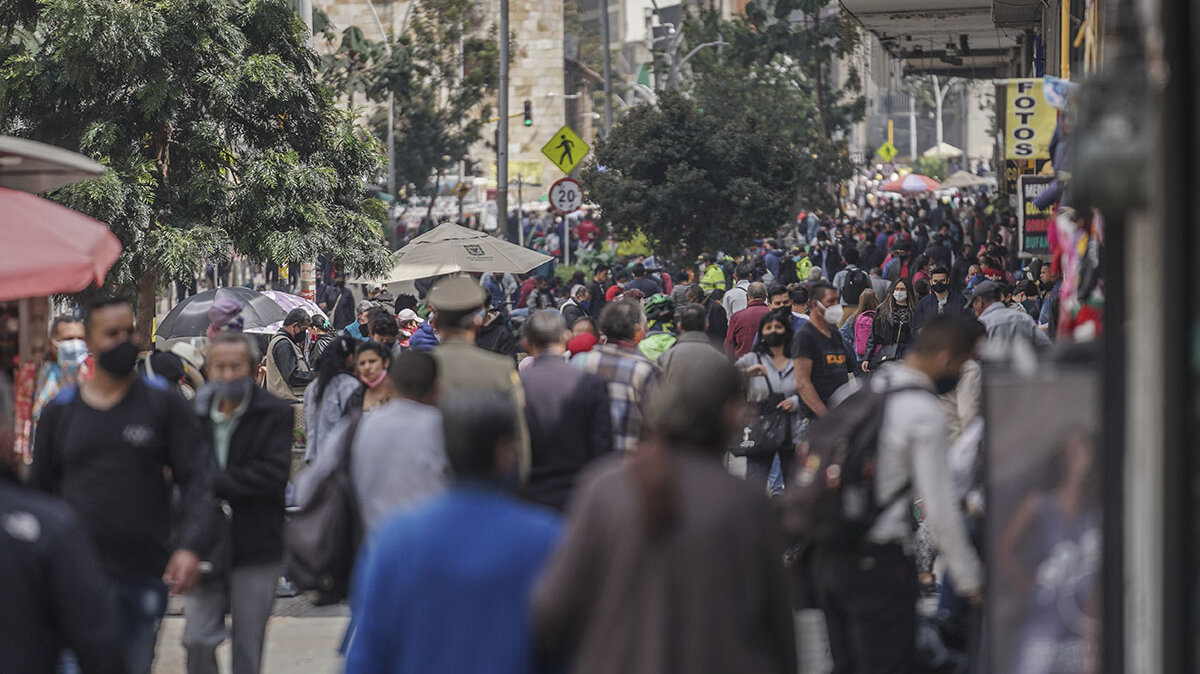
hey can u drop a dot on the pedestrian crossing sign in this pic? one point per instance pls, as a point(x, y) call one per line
point(887, 151)
point(566, 149)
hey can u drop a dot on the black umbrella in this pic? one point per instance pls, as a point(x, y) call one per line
point(189, 318)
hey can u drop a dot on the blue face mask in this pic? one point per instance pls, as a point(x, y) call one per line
point(797, 258)
point(585, 304)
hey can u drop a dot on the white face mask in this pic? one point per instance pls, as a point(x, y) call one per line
point(900, 295)
point(833, 314)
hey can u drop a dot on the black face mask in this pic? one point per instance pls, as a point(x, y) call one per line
point(298, 337)
point(120, 360)
point(939, 287)
point(339, 285)
point(773, 339)
point(945, 384)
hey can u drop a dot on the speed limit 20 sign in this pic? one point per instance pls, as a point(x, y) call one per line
point(566, 196)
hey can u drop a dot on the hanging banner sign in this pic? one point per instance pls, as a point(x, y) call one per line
point(1033, 223)
point(1029, 120)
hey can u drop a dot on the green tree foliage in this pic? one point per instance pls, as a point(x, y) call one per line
point(216, 132)
point(757, 129)
point(693, 175)
point(440, 72)
point(934, 167)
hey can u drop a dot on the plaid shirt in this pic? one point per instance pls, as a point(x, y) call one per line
point(631, 380)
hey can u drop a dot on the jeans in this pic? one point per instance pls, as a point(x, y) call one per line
point(140, 608)
point(249, 594)
point(761, 469)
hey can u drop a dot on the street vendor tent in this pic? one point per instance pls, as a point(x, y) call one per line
point(47, 249)
point(450, 249)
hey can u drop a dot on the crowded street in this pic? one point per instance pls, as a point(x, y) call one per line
point(528, 337)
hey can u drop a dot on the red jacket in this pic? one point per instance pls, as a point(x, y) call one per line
point(743, 328)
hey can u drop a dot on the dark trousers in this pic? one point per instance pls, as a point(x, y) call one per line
point(758, 468)
point(869, 598)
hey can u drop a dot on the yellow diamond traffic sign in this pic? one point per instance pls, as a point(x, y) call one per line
point(566, 149)
point(887, 151)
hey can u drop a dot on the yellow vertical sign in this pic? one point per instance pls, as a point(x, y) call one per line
point(1029, 121)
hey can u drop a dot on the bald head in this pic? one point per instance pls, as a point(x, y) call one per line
point(757, 291)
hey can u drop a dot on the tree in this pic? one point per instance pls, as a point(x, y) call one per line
point(932, 95)
point(216, 132)
point(440, 72)
point(695, 174)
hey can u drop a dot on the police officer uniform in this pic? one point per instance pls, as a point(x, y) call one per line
point(465, 367)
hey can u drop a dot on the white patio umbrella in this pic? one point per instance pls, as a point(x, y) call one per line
point(30, 166)
point(942, 149)
point(451, 249)
point(963, 179)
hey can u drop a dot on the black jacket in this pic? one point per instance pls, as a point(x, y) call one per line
point(927, 309)
point(255, 475)
point(53, 594)
point(572, 312)
point(570, 423)
point(887, 330)
point(496, 336)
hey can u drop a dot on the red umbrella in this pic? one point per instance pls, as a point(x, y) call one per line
point(46, 248)
point(912, 183)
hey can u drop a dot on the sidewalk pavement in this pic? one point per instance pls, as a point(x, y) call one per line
point(294, 646)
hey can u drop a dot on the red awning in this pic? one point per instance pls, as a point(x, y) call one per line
point(46, 248)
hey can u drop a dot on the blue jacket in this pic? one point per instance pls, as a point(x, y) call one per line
point(446, 588)
point(424, 339)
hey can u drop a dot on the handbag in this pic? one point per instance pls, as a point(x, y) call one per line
point(323, 536)
point(770, 430)
point(888, 352)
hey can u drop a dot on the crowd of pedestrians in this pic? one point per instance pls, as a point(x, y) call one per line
point(563, 493)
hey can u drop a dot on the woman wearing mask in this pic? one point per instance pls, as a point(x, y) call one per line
point(856, 325)
point(892, 329)
point(373, 361)
point(668, 563)
point(334, 392)
point(772, 390)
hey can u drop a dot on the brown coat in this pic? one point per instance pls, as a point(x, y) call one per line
point(709, 597)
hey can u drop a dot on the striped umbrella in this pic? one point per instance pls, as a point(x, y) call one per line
point(912, 184)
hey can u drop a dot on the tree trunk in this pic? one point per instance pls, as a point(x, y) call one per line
point(938, 98)
point(437, 187)
point(147, 305)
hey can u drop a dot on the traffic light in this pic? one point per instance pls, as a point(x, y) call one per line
point(528, 113)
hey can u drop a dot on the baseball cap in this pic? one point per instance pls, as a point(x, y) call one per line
point(408, 315)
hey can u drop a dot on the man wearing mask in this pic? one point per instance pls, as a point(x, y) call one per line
point(900, 265)
point(597, 289)
point(250, 432)
point(288, 373)
point(64, 362)
point(940, 302)
point(106, 448)
point(339, 303)
point(1003, 324)
point(577, 306)
point(869, 593)
point(823, 363)
point(361, 328)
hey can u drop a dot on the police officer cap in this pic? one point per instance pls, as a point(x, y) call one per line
point(457, 294)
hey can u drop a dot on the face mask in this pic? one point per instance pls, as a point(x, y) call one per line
point(900, 295)
point(585, 304)
point(773, 339)
point(71, 352)
point(945, 384)
point(372, 383)
point(339, 285)
point(119, 360)
point(231, 390)
point(298, 337)
point(833, 314)
point(940, 287)
point(797, 258)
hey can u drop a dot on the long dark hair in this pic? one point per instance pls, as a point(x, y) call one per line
point(333, 362)
point(783, 316)
point(689, 414)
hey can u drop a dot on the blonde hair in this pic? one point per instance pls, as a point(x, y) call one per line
point(867, 301)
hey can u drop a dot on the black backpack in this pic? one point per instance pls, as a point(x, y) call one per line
point(831, 501)
point(855, 283)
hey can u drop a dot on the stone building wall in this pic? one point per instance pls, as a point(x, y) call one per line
point(536, 73)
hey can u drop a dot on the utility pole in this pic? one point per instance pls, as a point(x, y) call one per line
point(608, 84)
point(912, 127)
point(502, 128)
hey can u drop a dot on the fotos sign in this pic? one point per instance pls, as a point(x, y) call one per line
point(1029, 121)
